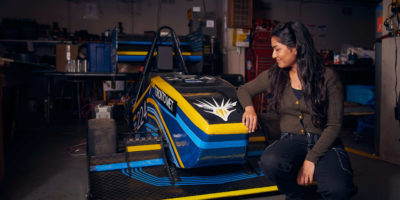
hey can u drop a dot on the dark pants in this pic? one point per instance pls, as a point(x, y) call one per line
point(282, 160)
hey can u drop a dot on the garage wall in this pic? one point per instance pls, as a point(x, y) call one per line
point(346, 23)
point(389, 128)
point(354, 28)
point(332, 23)
point(99, 15)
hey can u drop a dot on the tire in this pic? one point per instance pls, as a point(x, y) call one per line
point(102, 137)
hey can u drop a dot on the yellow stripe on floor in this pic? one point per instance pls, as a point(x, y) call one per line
point(230, 193)
point(360, 153)
point(148, 147)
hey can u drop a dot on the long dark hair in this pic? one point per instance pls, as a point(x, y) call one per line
point(309, 69)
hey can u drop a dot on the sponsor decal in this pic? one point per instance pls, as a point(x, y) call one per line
point(141, 115)
point(221, 110)
point(165, 100)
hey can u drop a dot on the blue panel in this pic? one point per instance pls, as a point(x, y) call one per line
point(171, 150)
point(99, 57)
point(203, 136)
point(124, 165)
point(210, 145)
point(220, 157)
point(192, 58)
point(131, 58)
point(187, 150)
point(151, 127)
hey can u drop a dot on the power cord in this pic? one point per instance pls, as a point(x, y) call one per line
point(397, 107)
point(395, 68)
point(394, 30)
point(396, 12)
point(394, 7)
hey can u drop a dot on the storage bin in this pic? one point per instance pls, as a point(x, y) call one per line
point(64, 54)
point(363, 94)
point(99, 57)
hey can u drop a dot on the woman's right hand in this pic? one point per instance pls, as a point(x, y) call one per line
point(249, 118)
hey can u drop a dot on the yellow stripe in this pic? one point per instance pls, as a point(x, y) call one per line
point(149, 100)
point(230, 193)
point(140, 99)
point(155, 119)
point(144, 53)
point(118, 103)
point(194, 116)
point(257, 139)
point(134, 118)
point(186, 53)
point(132, 53)
point(198, 94)
point(360, 153)
point(148, 147)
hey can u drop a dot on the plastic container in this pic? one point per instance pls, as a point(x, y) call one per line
point(99, 57)
point(363, 94)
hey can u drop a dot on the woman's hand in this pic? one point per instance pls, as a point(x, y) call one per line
point(306, 173)
point(249, 118)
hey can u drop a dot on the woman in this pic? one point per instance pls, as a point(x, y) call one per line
point(309, 100)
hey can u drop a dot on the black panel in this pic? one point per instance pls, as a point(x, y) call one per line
point(197, 89)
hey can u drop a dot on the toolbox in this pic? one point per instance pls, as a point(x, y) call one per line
point(99, 57)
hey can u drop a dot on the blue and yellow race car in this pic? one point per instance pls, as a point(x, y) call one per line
point(199, 117)
point(185, 138)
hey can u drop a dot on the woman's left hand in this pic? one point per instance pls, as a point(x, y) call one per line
point(306, 173)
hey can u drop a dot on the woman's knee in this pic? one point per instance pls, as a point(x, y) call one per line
point(274, 166)
point(269, 160)
point(278, 158)
point(269, 163)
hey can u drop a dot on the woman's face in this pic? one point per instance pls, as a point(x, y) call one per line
point(285, 56)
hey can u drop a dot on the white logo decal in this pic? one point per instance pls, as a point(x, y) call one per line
point(167, 101)
point(221, 111)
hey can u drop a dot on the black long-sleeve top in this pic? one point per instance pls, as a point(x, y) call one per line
point(293, 110)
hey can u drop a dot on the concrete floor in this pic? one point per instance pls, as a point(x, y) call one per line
point(42, 165)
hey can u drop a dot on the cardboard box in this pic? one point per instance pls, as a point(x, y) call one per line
point(64, 53)
point(129, 67)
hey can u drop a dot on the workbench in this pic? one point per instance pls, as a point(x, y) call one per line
point(78, 79)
